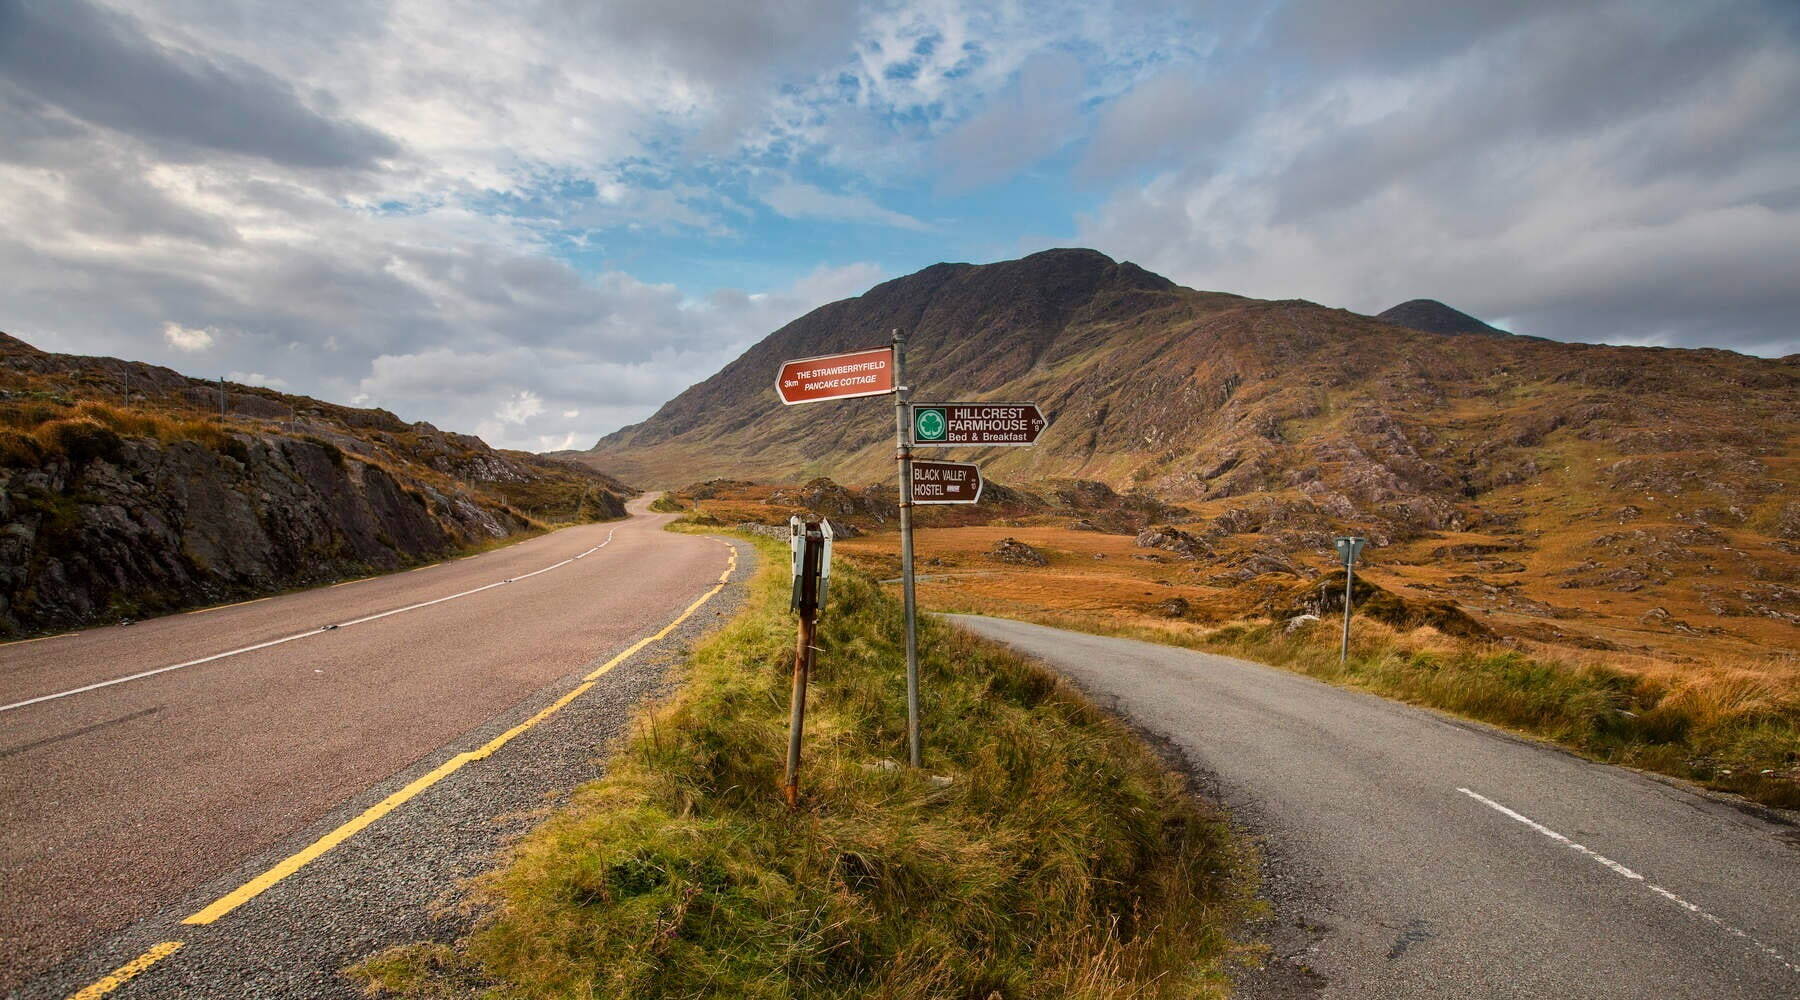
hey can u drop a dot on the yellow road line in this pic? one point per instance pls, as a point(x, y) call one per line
point(222, 607)
point(347, 583)
point(261, 883)
point(127, 972)
point(41, 638)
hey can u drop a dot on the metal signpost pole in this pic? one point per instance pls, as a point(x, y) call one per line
point(903, 456)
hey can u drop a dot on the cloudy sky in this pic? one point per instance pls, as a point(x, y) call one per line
point(538, 220)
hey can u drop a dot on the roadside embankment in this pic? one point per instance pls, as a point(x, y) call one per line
point(1043, 850)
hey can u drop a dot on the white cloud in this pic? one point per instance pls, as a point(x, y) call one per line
point(258, 378)
point(187, 339)
point(520, 408)
point(803, 201)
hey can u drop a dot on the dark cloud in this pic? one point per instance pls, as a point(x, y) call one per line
point(1334, 36)
point(1562, 80)
point(1176, 117)
point(99, 67)
point(1619, 172)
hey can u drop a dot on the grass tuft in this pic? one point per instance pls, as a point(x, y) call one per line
point(1059, 859)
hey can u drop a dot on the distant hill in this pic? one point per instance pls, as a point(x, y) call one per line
point(123, 494)
point(1433, 316)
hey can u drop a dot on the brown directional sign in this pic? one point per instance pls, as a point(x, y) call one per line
point(837, 376)
point(944, 425)
point(945, 482)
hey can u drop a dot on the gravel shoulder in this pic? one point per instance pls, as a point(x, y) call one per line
point(398, 880)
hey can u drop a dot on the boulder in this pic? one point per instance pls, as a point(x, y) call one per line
point(1172, 539)
point(1011, 550)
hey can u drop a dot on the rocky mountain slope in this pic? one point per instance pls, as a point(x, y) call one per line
point(123, 493)
point(1433, 316)
point(1518, 475)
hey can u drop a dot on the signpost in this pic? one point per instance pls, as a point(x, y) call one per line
point(810, 547)
point(1349, 547)
point(945, 482)
point(874, 372)
point(838, 376)
point(947, 425)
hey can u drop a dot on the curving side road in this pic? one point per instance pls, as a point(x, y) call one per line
point(141, 765)
point(1413, 855)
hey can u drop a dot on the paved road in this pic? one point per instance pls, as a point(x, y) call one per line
point(1411, 855)
point(123, 799)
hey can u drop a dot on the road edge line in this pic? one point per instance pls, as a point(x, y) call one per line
point(127, 972)
point(318, 848)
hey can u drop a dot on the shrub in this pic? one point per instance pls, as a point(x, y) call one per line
point(82, 439)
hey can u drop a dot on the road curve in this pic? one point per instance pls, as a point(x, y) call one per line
point(1413, 855)
point(120, 798)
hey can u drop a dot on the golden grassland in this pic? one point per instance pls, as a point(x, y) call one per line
point(1725, 713)
point(1043, 851)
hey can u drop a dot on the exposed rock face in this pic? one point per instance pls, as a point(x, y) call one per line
point(152, 528)
point(1011, 550)
point(1174, 607)
point(102, 524)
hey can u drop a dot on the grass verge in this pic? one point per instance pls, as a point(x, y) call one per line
point(1058, 859)
point(1730, 728)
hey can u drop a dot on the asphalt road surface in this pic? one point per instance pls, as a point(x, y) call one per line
point(1413, 855)
point(150, 767)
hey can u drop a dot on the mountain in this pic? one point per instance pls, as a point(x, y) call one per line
point(1621, 469)
point(1433, 316)
point(123, 493)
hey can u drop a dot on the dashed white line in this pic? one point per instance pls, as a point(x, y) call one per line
point(298, 635)
point(1627, 873)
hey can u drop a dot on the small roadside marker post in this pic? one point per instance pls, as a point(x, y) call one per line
point(809, 544)
point(1349, 547)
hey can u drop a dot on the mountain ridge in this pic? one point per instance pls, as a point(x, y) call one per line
point(1666, 480)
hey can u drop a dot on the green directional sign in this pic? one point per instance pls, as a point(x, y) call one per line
point(929, 423)
point(947, 425)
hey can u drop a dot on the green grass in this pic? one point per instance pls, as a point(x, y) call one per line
point(1059, 859)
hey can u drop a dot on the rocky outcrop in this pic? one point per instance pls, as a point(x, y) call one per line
point(1324, 598)
point(150, 528)
point(120, 497)
point(1174, 540)
point(1011, 550)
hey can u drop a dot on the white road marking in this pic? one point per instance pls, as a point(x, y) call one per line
point(298, 635)
point(1633, 876)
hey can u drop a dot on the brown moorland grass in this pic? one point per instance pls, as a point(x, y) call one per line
point(1043, 851)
